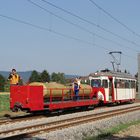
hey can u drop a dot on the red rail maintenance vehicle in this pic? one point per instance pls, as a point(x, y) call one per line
point(30, 98)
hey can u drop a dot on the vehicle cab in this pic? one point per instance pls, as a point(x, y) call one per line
point(102, 87)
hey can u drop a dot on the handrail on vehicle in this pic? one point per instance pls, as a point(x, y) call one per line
point(66, 92)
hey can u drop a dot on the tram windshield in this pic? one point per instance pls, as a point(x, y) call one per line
point(96, 83)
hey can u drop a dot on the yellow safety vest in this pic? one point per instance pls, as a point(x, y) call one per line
point(14, 80)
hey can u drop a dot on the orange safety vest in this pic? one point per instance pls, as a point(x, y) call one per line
point(14, 80)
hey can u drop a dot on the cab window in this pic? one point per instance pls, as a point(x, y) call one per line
point(96, 83)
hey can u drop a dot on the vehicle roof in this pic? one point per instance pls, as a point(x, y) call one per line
point(112, 74)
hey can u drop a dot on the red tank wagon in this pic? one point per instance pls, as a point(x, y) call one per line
point(30, 99)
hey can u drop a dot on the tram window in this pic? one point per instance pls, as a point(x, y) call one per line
point(122, 84)
point(96, 83)
point(132, 84)
point(118, 83)
point(105, 83)
point(127, 84)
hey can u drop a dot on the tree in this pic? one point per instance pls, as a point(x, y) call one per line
point(61, 77)
point(35, 77)
point(136, 75)
point(2, 82)
point(54, 77)
point(21, 82)
point(58, 77)
point(7, 86)
point(45, 77)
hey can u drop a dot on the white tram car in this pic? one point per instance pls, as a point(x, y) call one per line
point(113, 87)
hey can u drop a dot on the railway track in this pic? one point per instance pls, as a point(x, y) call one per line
point(29, 117)
point(19, 119)
point(32, 116)
point(33, 130)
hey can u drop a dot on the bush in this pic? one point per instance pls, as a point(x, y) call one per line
point(4, 101)
point(2, 83)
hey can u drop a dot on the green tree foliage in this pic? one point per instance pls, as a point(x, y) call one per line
point(21, 82)
point(58, 77)
point(2, 83)
point(7, 86)
point(35, 77)
point(42, 77)
point(45, 77)
point(54, 77)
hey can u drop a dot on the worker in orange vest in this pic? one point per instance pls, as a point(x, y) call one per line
point(14, 77)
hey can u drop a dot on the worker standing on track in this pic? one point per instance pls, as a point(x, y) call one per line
point(14, 78)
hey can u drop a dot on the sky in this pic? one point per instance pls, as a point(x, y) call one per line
point(74, 39)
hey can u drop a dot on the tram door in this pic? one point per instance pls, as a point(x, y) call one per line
point(110, 88)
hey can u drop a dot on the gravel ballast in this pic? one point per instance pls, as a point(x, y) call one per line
point(90, 129)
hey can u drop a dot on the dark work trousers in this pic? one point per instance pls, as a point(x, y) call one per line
point(76, 94)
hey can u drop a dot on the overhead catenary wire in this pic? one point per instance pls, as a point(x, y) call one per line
point(92, 23)
point(80, 27)
point(52, 31)
point(57, 33)
point(115, 19)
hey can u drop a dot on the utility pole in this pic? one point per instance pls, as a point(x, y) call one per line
point(139, 74)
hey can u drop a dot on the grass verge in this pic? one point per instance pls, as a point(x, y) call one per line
point(113, 130)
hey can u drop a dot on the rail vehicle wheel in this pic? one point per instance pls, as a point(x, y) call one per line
point(92, 106)
point(16, 109)
point(101, 103)
point(59, 112)
point(131, 101)
point(84, 108)
point(118, 103)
